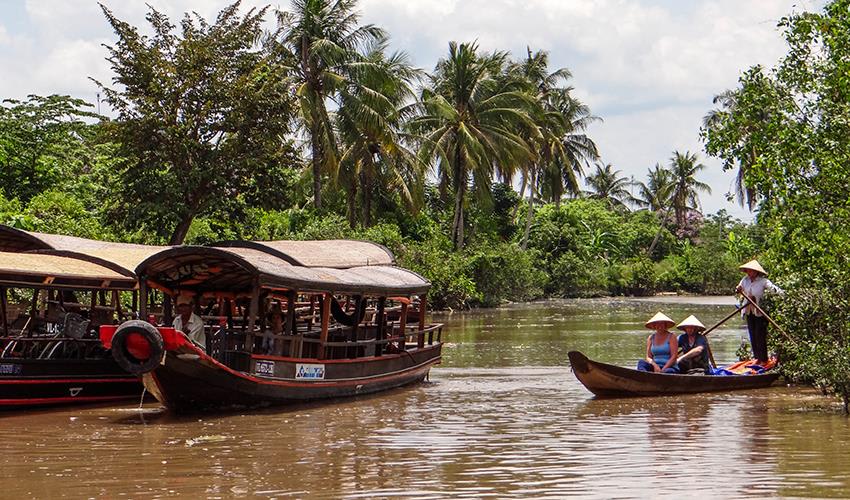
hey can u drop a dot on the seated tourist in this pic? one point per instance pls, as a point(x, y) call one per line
point(661, 346)
point(694, 346)
point(190, 323)
point(274, 327)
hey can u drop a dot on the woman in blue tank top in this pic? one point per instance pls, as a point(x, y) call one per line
point(661, 347)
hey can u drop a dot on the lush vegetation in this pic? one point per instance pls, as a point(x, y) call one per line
point(317, 130)
point(787, 131)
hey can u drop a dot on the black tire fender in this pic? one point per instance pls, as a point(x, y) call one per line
point(126, 360)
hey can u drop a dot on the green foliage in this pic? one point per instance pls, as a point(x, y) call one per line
point(505, 272)
point(42, 141)
point(58, 213)
point(787, 130)
point(819, 351)
point(201, 114)
point(451, 286)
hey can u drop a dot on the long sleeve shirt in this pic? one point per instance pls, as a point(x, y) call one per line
point(194, 329)
point(756, 289)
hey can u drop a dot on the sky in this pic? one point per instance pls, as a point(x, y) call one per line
point(648, 68)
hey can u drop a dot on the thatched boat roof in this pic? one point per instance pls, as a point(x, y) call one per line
point(340, 254)
point(237, 269)
point(43, 270)
point(125, 255)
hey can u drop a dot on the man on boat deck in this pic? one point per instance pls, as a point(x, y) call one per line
point(190, 323)
point(694, 346)
point(661, 347)
point(753, 287)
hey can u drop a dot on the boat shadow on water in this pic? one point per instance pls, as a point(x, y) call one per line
point(149, 414)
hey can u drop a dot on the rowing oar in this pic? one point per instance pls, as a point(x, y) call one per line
point(759, 309)
point(724, 320)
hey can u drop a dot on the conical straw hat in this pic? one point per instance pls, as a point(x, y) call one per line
point(691, 321)
point(660, 317)
point(754, 265)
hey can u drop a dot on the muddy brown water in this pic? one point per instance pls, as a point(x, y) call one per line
point(503, 416)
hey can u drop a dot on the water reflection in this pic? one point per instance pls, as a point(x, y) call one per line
point(503, 417)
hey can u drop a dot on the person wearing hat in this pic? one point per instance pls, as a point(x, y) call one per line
point(661, 346)
point(694, 346)
point(188, 322)
point(753, 286)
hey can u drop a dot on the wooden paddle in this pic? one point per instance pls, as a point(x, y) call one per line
point(759, 309)
point(706, 332)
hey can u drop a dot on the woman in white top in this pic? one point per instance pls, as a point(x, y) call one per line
point(753, 286)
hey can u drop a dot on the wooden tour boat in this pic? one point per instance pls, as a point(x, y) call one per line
point(615, 381)
point(49, 350)
point(284, 322)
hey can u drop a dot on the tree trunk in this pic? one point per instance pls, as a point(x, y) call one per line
point(317, 168)
point(182, 229)
point(366, 193)
point(530, 214)
point(521, 191)
point(457, 227)
point(351, 199)
point(658, 234)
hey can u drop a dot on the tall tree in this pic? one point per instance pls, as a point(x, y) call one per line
point(684, 168)
point(715, 120)
point(606, 184)
point(655, 194)
point(369, 121)
point(41, 138)
point(577, 149)
point(201, 113)
point(321, 42)
point(470, 121)
point(559, 145)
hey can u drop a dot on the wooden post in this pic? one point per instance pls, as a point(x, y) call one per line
point(326, 321)
point(252, 317)
point(380, 319)
point(291, 297)
point(402, 326)
point(116, 304)
point(358, 303)
point(167, 317)
point(34, 310)
point(143, 298)
point(134, 306)
point(423, 305)
point(4, 311)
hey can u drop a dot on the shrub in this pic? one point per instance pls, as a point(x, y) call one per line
point(505, 272)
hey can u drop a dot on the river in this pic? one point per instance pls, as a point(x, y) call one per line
point(502, 416)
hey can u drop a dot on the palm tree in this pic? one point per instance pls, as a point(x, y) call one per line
point(577, 149)
point(470, 121)
point(727, 102)
point(320, 40)
point(686, 188)
point(655, 194)
point(369, 121)
point(606, 184)
point(559, 145)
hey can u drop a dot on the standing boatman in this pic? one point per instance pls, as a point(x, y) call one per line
point(753, 286)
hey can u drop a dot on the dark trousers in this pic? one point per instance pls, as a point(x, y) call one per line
point(644, 366)
point(757, 325)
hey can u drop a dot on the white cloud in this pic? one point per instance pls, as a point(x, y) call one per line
point(649, 67)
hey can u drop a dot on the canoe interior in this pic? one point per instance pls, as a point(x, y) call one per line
point(606, 380)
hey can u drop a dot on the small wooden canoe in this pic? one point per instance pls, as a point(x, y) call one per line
point(615, 381)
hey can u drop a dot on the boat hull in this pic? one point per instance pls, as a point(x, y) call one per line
point(189, 380)
point(26, 383)
point(606, 380)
